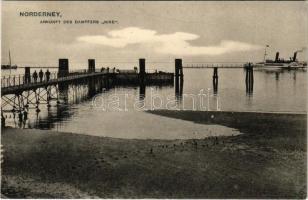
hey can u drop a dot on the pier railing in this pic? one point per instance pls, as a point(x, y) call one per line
point(17, 80)
point(213, 65)
point(20, 80)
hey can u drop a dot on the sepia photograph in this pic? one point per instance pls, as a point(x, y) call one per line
point(154, 99)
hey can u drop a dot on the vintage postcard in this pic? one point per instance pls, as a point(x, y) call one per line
point(154, 99)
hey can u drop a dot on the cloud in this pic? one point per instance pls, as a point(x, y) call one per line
point(173, 44)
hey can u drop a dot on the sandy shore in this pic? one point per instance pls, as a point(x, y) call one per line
point(267, 161)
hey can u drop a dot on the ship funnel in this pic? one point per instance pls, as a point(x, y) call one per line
point(294, 57)
point(277, 57)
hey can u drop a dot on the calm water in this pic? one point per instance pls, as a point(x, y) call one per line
point(119, 112)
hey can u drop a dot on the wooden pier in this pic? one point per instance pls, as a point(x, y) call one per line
point(16, 90)
point(18, 83)
point(212, 65)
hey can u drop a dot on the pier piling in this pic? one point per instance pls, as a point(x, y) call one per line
point(63, 67)
point(142, 70)
point(249, 79)
point(91, 65)
point(27, 75)
point(91, 81)
point(215, 80)
point(178, 68)
point(178, 78)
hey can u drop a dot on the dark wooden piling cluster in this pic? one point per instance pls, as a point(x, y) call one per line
point(179, 78)
point(63, 67)
point(91, 82)
point(142, 70)
point(91, 65)
point(215, 80)
point(249, 79)
point(27, 75)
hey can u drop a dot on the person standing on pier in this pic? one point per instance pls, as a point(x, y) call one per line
point(41, 74)
point(47, 74)
point(35, 76)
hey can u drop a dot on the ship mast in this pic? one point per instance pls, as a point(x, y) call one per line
point(10, 62)
point(265, 53)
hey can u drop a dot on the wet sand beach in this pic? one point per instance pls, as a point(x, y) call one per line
point(267, 161)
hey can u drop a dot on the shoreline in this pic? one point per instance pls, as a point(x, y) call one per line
point(264, 162)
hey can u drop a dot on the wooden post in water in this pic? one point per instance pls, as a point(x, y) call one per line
point(91, 65)
point(215, 80)
point(63, 71)
point(142, 92)
point(91, 80)
point(63, 67)
point(249, 79)
point(177, 74)
point(178, 78)
point(177, 69)
point(142, 70)
point(181, 70)
point(27, 75)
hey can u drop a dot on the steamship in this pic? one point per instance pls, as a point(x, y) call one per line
point(282, 63)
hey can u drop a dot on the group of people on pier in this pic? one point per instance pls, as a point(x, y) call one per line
point(115, 70)
point(40, 75)
point(103, 69)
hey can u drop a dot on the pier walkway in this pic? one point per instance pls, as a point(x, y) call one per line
point(19, 92)
point(7, 87)
point(230, 66)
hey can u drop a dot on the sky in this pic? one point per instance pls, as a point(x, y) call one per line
point(158, 31)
